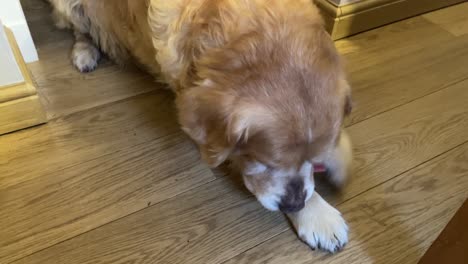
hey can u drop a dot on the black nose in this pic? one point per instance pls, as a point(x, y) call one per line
point(294, 199)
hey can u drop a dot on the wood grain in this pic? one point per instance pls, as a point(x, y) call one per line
point(200, 226)
point(64, 90)
point(392, 223)
point(450, 246)
point(453, 19)
point(83, 136)
point(21, 113)
point(91, 168)
point(62, 204)
point(397, 140)
point(390, 42)
point(16, 91)
point(386, 146)
point(435, 67)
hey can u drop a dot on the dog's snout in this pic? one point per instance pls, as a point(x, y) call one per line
point(294, 198)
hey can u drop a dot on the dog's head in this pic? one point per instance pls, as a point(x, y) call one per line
point(272, 108)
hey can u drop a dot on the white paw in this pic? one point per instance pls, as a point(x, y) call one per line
point(328, 232)
point(85, 56)
point(321, 226)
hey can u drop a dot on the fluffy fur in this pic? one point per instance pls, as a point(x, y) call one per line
point(258, 82)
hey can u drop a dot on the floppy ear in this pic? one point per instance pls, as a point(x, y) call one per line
point(205, 115)
point(217, 121)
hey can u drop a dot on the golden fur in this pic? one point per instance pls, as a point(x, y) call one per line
point(257, 81)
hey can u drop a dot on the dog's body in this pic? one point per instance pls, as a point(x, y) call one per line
point(257, 81)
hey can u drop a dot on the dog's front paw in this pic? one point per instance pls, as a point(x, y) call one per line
point(85, 56)
point(321, 226)
point(327, 232)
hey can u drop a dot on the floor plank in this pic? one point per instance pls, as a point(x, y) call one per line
point(397, 140)
point(453, 19)
point(84, 136)
point(393, 223)
point(390, 42)
point(91, 168)
point(63, 90)
point(393, 81)
point(194, 227)
point(450, 246)
point(201, 229)
point(52, 208)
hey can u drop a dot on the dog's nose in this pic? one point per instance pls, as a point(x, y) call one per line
point(294, 199)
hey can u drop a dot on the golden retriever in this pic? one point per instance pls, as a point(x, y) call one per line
point(258, 82)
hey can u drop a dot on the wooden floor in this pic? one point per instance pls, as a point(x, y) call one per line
point(112, 179)
point(450, 246)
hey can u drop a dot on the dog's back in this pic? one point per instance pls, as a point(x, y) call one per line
point(119, 27)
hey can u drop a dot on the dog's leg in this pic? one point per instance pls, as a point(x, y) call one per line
point(320, 225)
point(338, 161)
point(60, 20)
point(85, 55)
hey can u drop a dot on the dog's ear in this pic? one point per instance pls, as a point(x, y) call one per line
point(199, 117)
point(204, 116)
point(217, 121)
